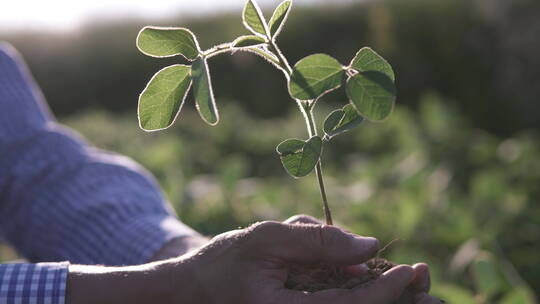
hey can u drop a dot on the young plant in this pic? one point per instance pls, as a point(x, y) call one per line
point(368, 80)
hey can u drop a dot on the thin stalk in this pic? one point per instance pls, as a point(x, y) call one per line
point(228, 48)
point(281, 57)
point(306, 108)
point(216, 50)
point(327, 213)
point(318, 172)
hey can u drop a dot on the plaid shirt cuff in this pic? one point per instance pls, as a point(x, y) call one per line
point(33, 283)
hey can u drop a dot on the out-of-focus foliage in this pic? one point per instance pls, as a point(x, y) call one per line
point(455, 175)
point(457, 197)
point(481, 53)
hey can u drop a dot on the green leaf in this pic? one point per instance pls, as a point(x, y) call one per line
point(290, 146)
point(202, 90)
point(253, 18)
point(247, 41)
point(167, 42)
point(265, 54)
point(341, 121)
point(279, 18)
point(368, 60)
point(160, 102)
point(315, 76)
point(299, 157)
point(487, 276)
point(373, 94)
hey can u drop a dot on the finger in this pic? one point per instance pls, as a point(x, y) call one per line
point(358, 270)
point(421, 281)
point(385, 290)
point(311, 243)
point(334, 296)
point(302, 219)
point(388, 287)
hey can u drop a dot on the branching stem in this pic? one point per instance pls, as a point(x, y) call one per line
point(306, 107)
point(228, 48)
point(216, 50)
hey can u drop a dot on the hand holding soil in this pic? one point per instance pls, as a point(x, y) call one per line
point(299, 261)
point(252, 265)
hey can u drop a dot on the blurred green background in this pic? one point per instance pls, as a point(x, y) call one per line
point(454, 174)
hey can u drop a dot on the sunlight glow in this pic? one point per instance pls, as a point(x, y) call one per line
point(69, 14)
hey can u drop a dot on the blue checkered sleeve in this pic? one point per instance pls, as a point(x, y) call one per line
point(33, 283)
point(62, 199)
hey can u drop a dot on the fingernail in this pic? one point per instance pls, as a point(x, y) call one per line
point(357, 270)
point(402, 273)
point(368, 242)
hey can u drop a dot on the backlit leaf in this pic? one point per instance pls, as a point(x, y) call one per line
point(315, 76)
point(373, 94)
point(342, 120)
point(368, 60)
point(168, 41)
point(299, 157)
point(161, 100)
point(487, 276)
point(202, 90)
point(279, 18)
point(253, 18)
point(290, 146)
point(247, 41)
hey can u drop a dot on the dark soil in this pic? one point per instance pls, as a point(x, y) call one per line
point(318, 277)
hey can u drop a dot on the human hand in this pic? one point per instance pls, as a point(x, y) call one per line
point(179, 246)
point(415, 292)
point(250, 266)
point(247, 266)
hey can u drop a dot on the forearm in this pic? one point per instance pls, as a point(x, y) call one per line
point(76, 203)
point(92, 207)
point(149, 283)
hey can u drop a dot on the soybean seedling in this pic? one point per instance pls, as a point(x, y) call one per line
point(368, 80)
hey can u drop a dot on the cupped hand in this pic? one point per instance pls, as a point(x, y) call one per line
point(250, 266)
point(416, 291)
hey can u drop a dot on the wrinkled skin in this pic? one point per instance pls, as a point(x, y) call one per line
point(250, 266)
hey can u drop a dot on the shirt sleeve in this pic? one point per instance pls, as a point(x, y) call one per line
point(26, 283)
point(63, 200)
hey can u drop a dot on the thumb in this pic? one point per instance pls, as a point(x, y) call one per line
point(421, 281)
point(309, 243)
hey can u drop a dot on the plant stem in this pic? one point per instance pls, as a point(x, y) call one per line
point(327, 213)
point(216, 50)
point(306, 107)
point(284, 62)
point(228, 48)
point(318, 171)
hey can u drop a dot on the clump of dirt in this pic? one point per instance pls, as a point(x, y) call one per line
point(318, 277)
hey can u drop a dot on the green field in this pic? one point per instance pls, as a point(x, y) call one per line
point(456, 197)
point(453, 174)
